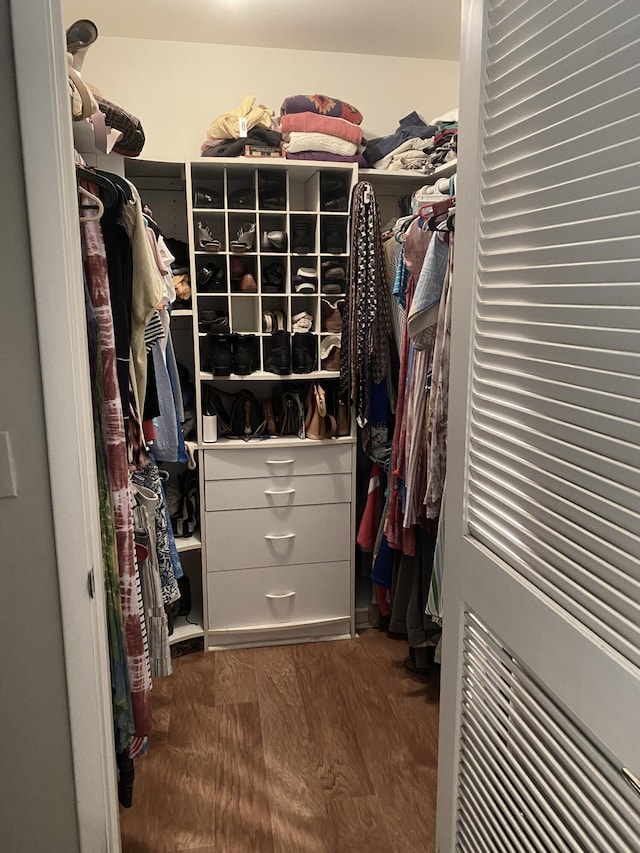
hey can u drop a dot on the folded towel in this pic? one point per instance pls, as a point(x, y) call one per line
point(313, 123)
point(227, 125)
point(326, 157)
point(320, 142)
point(322, 105)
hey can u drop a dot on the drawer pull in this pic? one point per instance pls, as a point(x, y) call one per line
point(282, 536)
point(282, 492)
point(279, 461)
point(282, 595)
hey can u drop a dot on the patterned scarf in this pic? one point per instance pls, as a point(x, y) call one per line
point(366, 326)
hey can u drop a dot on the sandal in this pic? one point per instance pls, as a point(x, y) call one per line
point(206, 240)
point(244, 241)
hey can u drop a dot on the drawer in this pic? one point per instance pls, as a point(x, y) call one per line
point(283, 492)
point(278, 595)
point(269, 460)
point(247, 538)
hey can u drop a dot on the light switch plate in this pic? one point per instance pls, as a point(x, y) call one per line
point(8, 480)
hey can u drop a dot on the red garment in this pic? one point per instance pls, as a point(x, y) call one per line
point(95, 264)
point(370, 521)
point(382, 597)
point(313, 123)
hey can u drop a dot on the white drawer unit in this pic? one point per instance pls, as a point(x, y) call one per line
point(279, 595)
point(269, 460)
point(277, 492)
point(247, 538)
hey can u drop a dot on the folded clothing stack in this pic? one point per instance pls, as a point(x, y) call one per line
point(316, 127)
point(226, 134)
point(408, 148)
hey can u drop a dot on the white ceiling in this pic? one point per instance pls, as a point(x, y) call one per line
point(428, 29)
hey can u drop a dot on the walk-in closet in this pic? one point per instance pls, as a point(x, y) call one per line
point(319, 427)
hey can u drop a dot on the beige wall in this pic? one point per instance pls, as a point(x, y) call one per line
point(178, 88)
point(37, 797)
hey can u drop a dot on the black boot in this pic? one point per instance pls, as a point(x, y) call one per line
point(303, 352)
point(279, 359)
point(245, 354)
point(220, 354)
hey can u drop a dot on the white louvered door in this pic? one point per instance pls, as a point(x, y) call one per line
point(540, 713)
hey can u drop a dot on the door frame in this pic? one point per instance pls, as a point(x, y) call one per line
point(47, 150)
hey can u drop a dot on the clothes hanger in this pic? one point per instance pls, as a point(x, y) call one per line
point(97, 206)
point(111, 193)
point(119, 182)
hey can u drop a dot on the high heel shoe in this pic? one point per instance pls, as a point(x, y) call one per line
point(206, 240)
point(244, 241)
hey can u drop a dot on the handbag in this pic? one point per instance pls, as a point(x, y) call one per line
point(132, 140)
point(247, 417)
point(288, 409)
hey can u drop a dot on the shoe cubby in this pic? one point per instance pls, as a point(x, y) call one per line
point(211, 274)
point(241, 189)
point(298, 215)
point(245, 316)
point(334, 235)
point(210, 232)
point(272, 189)
point(303, 234)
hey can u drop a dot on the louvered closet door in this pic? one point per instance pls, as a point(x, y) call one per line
point(540, 732)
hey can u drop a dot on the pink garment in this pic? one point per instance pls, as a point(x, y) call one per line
point(95, 264)
point(312, 123)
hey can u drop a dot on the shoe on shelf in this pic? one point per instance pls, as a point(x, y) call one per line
point(303, 237)
point(305, 280)
point(248, 284)
point(334, 278)
point(206, 241)
point(244, 241)
point(337, 204)
point(334, 236)
point(210, 279)
point(302, 322)
point(245, 354)
point(220, 354)
point(273, 278)
point(204, 197)
point(213, 321)
point(273, 241)
point(330, 352)
point(303, 352)
point(279, 358)
point(242, 198)
point(332, 315)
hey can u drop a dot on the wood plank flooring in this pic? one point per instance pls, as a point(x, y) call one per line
point(316, 748)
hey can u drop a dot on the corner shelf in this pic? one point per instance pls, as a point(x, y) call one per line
point(189, 543)
point(183, 630)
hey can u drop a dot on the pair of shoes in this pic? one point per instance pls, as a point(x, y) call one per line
point(210, 279)
point(332, 315)
point(273, 278)
point(213, 321)
point(334, 235)
point(303, 236)
point(289, 354)
point(242, 281)
point(204, 197)
point(271, 192)
point(333, 194)
point(330, 352)
point(273, 241)
point(273, 321)
point(334, 277)
point(244, 241)
point(206, 241)
point(302, 322)
point(233, 354)
point(305, 280)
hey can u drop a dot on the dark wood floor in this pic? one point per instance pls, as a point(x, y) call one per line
point(317, 748)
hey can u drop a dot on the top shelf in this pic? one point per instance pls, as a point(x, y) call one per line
point(405, 178)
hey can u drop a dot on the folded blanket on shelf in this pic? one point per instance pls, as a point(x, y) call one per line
point(409, 127)
point(320, 142)
point(322, 105)
point(423, 146)
point(326, 157)
point(313, 123)
point(227, 125)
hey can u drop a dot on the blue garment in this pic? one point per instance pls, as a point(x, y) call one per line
point(423, 314)
point(400, 283)
point(410, 127)
point(381, 571)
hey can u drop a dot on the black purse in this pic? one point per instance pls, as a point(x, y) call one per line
point(247, 417)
